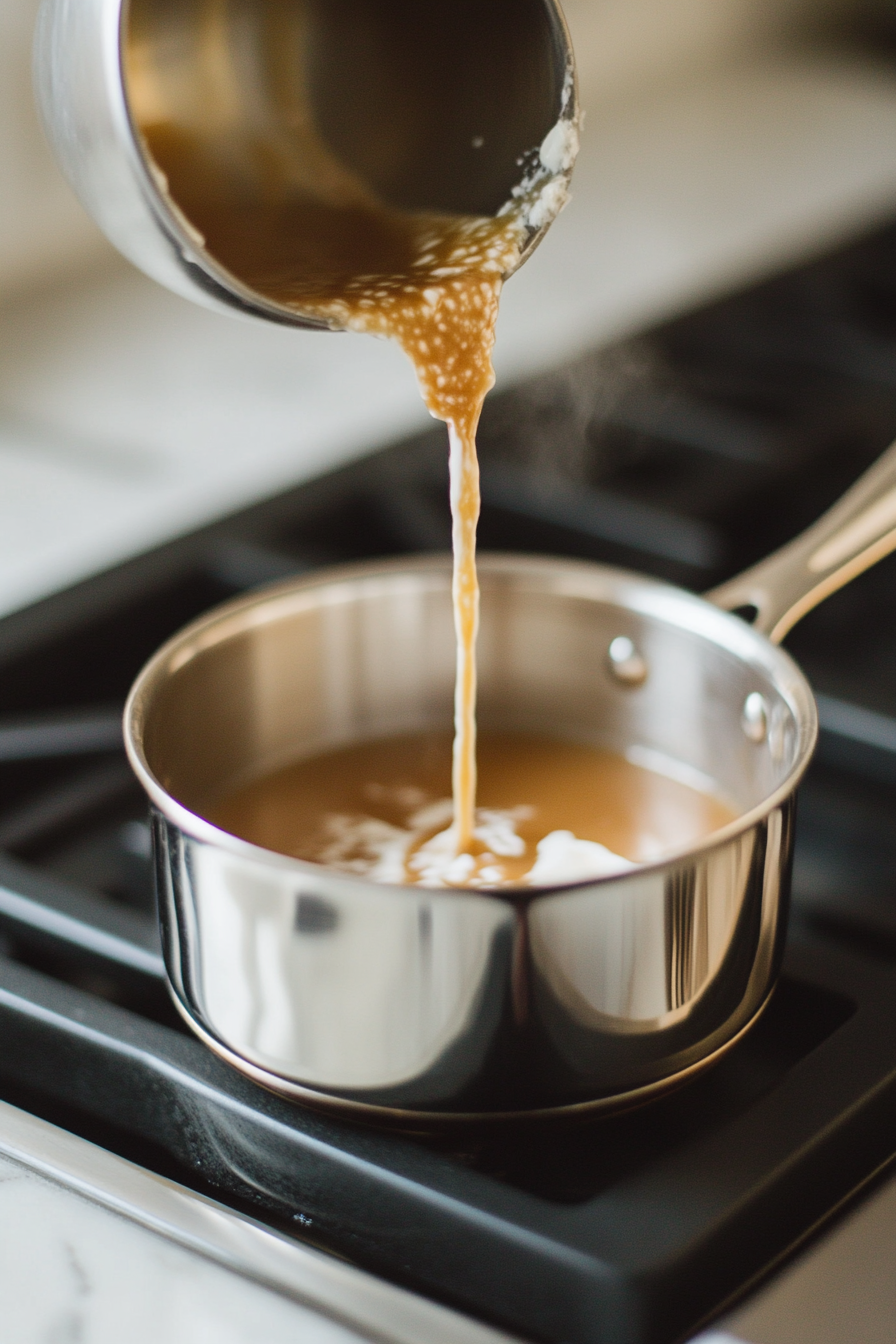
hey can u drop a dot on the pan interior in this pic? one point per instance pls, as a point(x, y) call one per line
point(320, 664)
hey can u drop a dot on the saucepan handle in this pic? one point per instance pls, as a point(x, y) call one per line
point(853, 535)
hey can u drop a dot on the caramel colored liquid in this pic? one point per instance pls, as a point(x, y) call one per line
point(430, 282)
point(381, 808)
point(274, 205)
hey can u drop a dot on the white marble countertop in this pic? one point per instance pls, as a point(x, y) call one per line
point(128, 416)
point(94, 1250)
point(74, 1273)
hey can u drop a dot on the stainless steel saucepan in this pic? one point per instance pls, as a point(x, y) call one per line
point(425, 1006)
point(295, 110)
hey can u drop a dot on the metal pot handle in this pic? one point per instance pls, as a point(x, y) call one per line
point(853, 535)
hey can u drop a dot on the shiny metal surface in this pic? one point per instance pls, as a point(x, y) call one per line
point(625, 662)
point(851, 537)
point(428, 107)
point(426, 1003)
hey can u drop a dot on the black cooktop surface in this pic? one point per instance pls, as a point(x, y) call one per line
point(688, 453)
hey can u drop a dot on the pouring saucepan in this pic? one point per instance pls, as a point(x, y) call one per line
point(295, 110)
point(427, 1006)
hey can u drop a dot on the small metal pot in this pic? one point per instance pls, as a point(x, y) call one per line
point(430, 107)
point(424, 1006)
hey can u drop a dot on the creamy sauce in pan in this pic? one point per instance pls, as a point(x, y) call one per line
point(548, 811)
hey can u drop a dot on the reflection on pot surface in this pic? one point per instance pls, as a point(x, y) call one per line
point(428, 998)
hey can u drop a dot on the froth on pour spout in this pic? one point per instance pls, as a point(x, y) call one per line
point(298, 146)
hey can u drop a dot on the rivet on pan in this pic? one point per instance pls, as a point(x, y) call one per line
point(754, 719)
point(626, 663)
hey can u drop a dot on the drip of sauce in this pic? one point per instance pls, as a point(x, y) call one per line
point(290, 222)
point(548, 812)
point(442, 309)
point(431, 282)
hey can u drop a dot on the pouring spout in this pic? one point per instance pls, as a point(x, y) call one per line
point(854, 534)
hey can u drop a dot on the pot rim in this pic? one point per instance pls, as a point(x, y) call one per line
point(266, 604)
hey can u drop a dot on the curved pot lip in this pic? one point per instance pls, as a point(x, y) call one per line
point(220, 285)
point(572, 578)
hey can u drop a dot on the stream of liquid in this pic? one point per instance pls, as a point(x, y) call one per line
point(430, 282)
point(441, 308)
point(298, 228)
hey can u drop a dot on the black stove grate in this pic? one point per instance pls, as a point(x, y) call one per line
point(687, 453)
